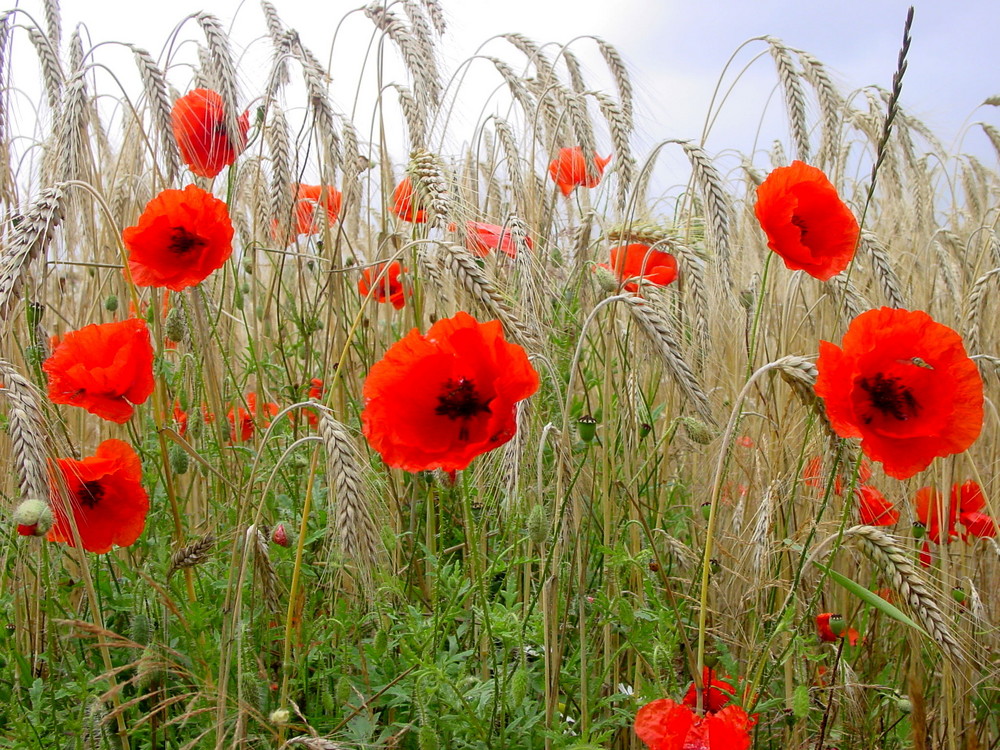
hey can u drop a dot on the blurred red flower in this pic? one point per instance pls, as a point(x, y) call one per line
point(308, 199)
point(180, 418)
point(904, 384)
point(965, 506)
point(385, 280)
point(104, 368)
point(665, 725)
point(105, 495)
point(641, 262)
point(805, 221)
point(812, 474)
point(437, 401)
point(406, 204)
point(569, 169)
point(241, 420)
point(482, 238)
point(181, 238)
point(198, 120)
point(873, 507)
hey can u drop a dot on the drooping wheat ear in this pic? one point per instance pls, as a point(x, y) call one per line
point(430, 185)
point(416, 125)
point(194, 554)
point(975, 192)
point(431, 268)
point(760, 546)
point(994, 248)
point(795, 100)
point(154, 84)
point(418, 57)
point(994, 135)
point(709, 181)
point(419, 25)
point(26, 426)
point(52, 74)
point(551, 98)
point(848, 298)
point(463, 267)
point(658, 331)
point(619, 127)
point(830, 107)
point(800, 374)
point(621, 75)
point(576, 82)
point(356, 531)
point(692, 268)
point(436, 14)
point(223, 71)
point(910, 586)
point(974, 310)
point(29, 238)
point(256, 540)
point(512, 158)
point(533, 52)
point(324, 118)
point(75, 52)
point(883, 269)
point(511, 462)
point(282, 45)
point(353, 165)
point(521, 93)
point(950, 274)
point(282, 169)
point(73, 156)
point(778, 157)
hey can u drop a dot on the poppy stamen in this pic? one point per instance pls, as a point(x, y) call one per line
point(803, 229)
point(889, 397)
point(183, 241)
point(460, 400)
point(90, 494)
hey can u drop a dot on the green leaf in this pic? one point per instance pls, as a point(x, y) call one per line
point(873, 599)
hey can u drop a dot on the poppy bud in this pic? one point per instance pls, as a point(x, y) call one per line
point(711, 661)
point(587, 427)
point(174, 325)
point(644, 429)
point(706, 510)
point(918, 530)
point(958, 594)
point(280, 536)
point(179, 459)
point(538, 525)
point(698, 431)
point(111, 303)
point(714, 566)
point(837, 625)
point(606, 280)
point(33, 517)
point(904, 704)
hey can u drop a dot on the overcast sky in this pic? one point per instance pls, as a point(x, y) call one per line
point(677, 49)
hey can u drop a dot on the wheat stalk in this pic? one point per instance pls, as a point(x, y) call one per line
point(154, 84)
point(795, 100)
point(194, 554)
point(30, 238)
point(27, 433)
point(355, 525)
point(658, 331)
point(910, 586)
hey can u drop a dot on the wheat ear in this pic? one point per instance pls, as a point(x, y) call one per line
point(27, 433)
point(30, 237)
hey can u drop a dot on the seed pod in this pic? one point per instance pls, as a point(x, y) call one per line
point(111, 303)
point(587, 427)
point(33, 517)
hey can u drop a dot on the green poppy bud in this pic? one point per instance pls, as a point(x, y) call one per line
point(958, 594)
point(111, 303)
point(837, 625)
point(918, 530)
point(706, 510)
point(587, 427)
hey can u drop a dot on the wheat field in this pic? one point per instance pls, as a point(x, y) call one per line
point(235, 530)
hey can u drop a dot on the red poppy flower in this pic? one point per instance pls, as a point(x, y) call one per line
point(198, 120)
point(938, 520)
point(903, 384)
point(812, 474)
point(308, 198)
point(639, 261)
point(874, 509)
point(182, 237)
point(180, 418)
point(388, 287)
point(481, 238)
point(437, 401)
point(406, 204)
point(316, 391)
point(665, 725)
point(827, 635)
point(241, 420)
point(569, 169)
point(104, 368)
point(105, 495)
point(717, 696)
point(805, 221)
point(968, 499)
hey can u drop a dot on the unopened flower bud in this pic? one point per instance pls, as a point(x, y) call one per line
point(837, 625)
point(173, 326)
point(280, 716)
point(33, 517)
point(111, 303)
point(280, 535)
point(904, 704)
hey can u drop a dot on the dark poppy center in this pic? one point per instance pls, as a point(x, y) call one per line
point(90, 494)
point(460, 400)
point(182, 241)
point(803, 229)
point(890, 397)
